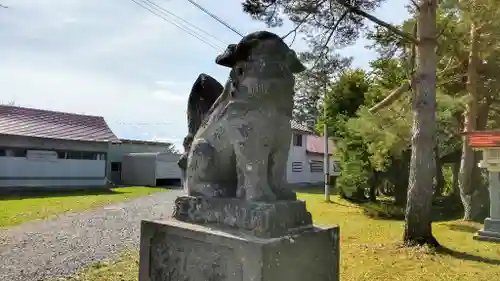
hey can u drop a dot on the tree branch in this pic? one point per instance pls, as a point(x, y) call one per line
point(415, 4)
point(394, 95)
point(294, 31)
point(382, 23)
point(325, 45)
point(413, 55)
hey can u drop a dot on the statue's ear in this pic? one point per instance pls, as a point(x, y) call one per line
point(227, 58)
point(294, 63)
point(236, 52)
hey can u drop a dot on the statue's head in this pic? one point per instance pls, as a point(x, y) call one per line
point(260, 44)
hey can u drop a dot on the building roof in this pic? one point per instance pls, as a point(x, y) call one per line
point(300, 127)
point(483, 139)
point(30, 122)
point(153, 143)
point(315, 144)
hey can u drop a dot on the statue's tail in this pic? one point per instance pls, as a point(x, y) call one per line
point(204, 93)
point(202, 97)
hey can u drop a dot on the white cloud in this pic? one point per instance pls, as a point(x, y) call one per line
point(126, 105)
point(177, 141)
point(113, 59)
point(167, 96)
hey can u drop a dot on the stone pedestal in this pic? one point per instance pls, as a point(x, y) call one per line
point(490, 232)
point(234, 240)
point(491, 229)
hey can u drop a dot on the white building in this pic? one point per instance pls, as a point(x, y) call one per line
point(305, 159)
point(151, 169)
point(127, 148)
point(40, 148)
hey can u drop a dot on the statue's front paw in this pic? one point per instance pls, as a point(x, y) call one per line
point(285, 194)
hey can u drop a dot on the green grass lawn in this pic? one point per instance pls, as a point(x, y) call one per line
point(23, 207)
point(370, 250)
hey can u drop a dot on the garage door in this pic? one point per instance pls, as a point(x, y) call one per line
point(167, 170)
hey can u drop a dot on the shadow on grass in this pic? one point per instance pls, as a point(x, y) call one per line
point(463, 228)
point(390, 211)
point(466, 256)
point(48, 193)
point(383, 210)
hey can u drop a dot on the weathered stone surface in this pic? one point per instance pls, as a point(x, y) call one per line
point(257, 218)
point(242, 146)
point(490, 231)
point(204, 93)
point(494, 188)
point(175, 251)
point(242, 222)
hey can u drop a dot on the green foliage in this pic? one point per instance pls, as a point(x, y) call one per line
point(311, 85)
point(325, 26)
point(373, 147)
point(384, 210)
point(377, 144)
point(356, 171)
point(347, 94)
point(386, 134)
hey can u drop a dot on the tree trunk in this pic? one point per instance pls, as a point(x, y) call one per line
point(400, 174)
point(374, 183)
point(467, 161)
point(418, 219)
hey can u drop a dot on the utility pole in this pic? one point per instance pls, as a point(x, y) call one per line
point(326, 157)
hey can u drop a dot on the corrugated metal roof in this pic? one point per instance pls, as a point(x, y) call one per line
point(146, 142)
point(30, 122)
point(483, 139)
point(315, 144)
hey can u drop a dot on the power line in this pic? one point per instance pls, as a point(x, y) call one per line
point(185, 21)
point(165, 17)
point(154, 11)
point(215, 17)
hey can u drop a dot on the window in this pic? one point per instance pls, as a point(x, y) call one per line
point(297, 140)
point(316, 166)
point(89, 155)
point(81, 155)
point(336, 166)
point(116, 166)
point(3, 152)
point(15, 152)
point(296, 167)
point(61, 154)
point(73, 155)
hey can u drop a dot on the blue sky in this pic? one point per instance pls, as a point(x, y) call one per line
point(114, 59)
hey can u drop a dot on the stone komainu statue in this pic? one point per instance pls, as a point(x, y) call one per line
point(241, 148)
point(204, 92)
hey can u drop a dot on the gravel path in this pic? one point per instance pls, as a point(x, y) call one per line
point(59, 247)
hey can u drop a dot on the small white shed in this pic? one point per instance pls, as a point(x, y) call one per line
point(151, 169)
